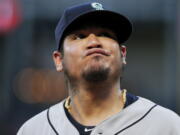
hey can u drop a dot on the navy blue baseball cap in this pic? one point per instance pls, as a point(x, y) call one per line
point(94, 12)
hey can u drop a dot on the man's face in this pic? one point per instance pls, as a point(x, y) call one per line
point(92, 53)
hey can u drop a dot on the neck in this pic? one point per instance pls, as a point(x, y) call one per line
point(93, 103)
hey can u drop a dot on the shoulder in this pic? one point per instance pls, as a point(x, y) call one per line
point(158, 109)
point(164, 113)
point(41, 122)
point(162, 117)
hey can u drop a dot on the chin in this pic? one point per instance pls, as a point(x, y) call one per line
point(96, 73)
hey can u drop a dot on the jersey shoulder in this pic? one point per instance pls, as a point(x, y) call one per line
point(166, 114)
point(162, 111)
point(163, 118)
point(40, 123)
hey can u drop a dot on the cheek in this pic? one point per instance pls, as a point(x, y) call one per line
point(72, 57)
point(115, 50)
point(69, 50)
point(116, 57)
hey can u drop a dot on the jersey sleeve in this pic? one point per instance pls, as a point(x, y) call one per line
point(20, 131)
point(174, 124)
point(168, 121)
point(37, 125)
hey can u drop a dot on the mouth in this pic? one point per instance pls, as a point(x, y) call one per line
point(97, 51)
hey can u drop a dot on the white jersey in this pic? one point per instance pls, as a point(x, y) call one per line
point(142, 117)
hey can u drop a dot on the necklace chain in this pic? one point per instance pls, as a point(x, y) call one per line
point(68, 100)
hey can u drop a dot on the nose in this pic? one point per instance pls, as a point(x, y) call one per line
point(93, 42)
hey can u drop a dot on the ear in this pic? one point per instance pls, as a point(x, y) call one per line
point(123, 53)
point(57, 57)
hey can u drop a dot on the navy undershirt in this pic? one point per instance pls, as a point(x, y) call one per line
point(86, 130)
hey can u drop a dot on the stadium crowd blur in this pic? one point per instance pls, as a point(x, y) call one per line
point(29, 82)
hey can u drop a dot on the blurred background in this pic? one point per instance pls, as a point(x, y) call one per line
point(29, 82)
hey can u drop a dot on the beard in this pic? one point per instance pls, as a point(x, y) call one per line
point(96, 75)
point(91, 73)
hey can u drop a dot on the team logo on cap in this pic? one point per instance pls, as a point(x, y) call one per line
point(97, 6)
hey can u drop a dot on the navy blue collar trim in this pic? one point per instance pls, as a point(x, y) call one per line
point(130, 99)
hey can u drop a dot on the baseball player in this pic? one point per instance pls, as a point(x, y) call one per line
point(91, 55)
